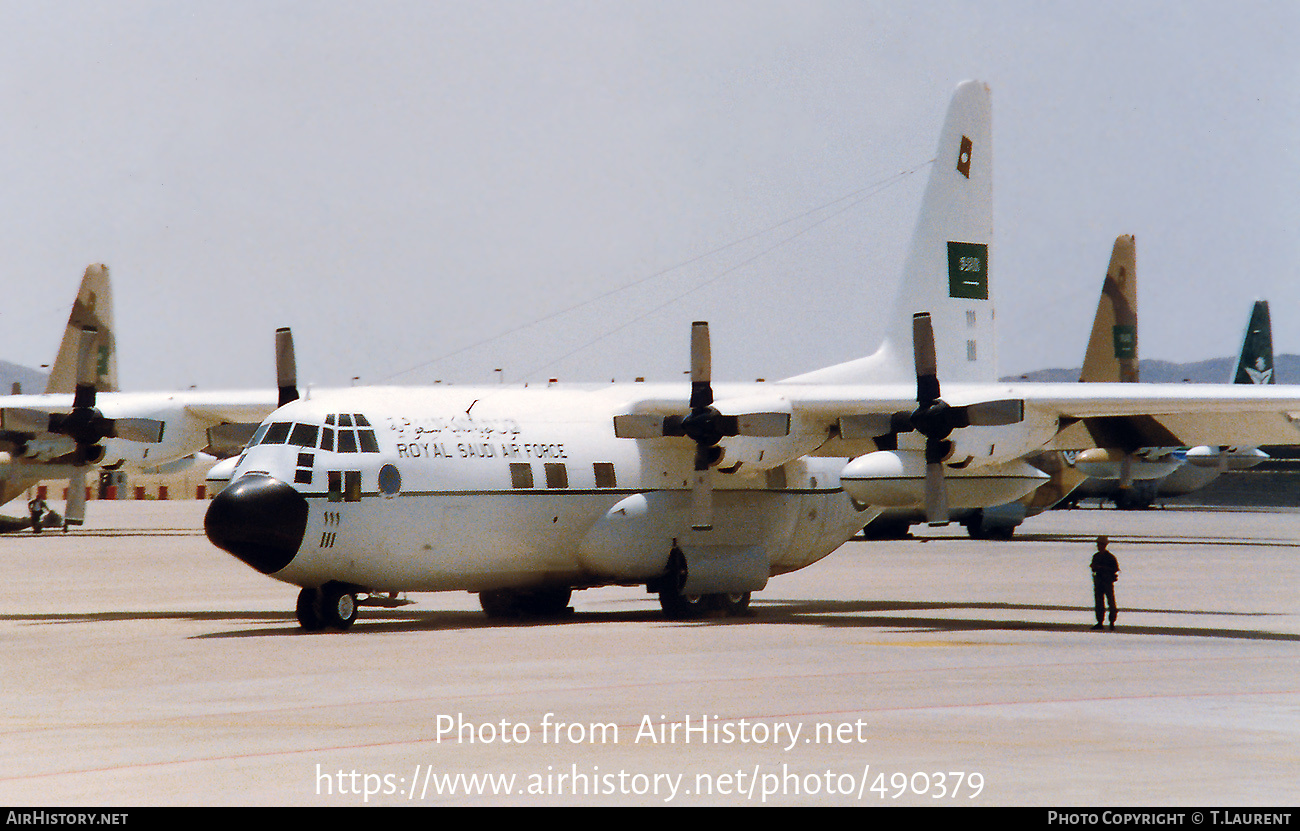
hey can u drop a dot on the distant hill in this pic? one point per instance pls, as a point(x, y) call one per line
point(1213, 371)
point(33, 381)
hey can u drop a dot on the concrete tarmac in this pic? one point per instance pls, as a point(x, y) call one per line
point(145, 667)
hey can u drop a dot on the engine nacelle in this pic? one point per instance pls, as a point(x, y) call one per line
point(1103, 463)
point(896, 479)
point(1229, 458)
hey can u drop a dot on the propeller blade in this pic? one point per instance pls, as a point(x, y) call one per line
point(87, 377)
point(936, 495)
point(640, 426)
point(927, 367)
point(286, 367)
point(701, 366)
point(22, 420)
point(147, 430)
point(769, 425)
point(702, 501)
point(995, 413)
point(75, 511)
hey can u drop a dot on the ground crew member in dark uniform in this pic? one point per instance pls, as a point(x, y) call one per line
point(36, 507)
point(1105, 571)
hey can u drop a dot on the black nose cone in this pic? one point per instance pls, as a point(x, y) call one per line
point(260, 520)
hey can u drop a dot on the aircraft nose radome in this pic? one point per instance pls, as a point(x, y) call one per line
point(260, 520)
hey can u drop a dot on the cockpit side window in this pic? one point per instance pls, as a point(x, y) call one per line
point(257, 437)
point(368, 442)
point(327, 438)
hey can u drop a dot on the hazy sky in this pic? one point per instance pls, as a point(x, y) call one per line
point(400, 180)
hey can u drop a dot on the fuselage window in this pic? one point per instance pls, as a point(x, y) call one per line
point(605, 475)
point(304, 435)
point(278, 432)
point(557, 475)
point(521, 475)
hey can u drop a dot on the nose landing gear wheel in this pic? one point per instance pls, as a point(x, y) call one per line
point(308, 610)
point(332, 606)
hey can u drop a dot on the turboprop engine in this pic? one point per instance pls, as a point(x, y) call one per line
point(897, 479)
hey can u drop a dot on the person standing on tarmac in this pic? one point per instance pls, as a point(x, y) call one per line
point(36, 507)
point(1105, 571)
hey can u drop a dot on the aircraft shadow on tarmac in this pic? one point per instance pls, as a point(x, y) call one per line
point(856, 614)
point(1123, 539)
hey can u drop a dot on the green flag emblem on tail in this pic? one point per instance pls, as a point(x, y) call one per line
point(1126, 341)
point(968, 275)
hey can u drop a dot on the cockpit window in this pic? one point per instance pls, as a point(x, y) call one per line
point(368, 443)
point(304, 435)
point(257, 437)
point(278, 432)
point(314, 436)
point(347, 441)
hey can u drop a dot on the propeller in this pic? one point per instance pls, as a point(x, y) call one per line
point(286, 368)
point(85, 425)
point(935, 419)
point(704, 425)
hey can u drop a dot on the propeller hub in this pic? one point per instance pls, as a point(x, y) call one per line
point(934, 420)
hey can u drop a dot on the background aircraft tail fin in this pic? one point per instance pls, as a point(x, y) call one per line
point(947, 268)
point(1113, 347)
point(93, 308)
point(1255, 366)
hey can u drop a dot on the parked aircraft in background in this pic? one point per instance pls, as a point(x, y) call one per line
point(523, 494)
point(1180, 470)
point(82, 423)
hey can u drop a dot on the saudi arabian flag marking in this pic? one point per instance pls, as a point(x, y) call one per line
point(1126, 341)
point(968, 275)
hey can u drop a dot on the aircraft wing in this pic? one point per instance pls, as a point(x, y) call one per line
point(1078, 416)
point(1166, 415)
point(241, 407)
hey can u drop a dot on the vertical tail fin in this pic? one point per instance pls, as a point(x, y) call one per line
point(1113, 347)
point(1255, 366)
point(93, 309)
point(947, 269)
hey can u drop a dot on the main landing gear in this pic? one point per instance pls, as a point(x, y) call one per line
point(678, 605)
point(332, 606)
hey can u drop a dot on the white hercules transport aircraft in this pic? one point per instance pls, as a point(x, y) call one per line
point(523, 494)
point(82, 423)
